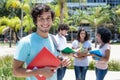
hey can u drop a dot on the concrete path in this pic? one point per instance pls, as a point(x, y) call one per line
point(115, 51)
point(111, 75)
point(5, 50)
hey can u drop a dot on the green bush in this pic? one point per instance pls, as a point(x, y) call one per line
point(71, 66)
point(6, 69)
point(92, 65)
point(114, 65)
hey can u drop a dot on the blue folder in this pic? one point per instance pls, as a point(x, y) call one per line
point(96, 52)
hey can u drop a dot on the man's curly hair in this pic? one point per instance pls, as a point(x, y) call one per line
point(39, 9)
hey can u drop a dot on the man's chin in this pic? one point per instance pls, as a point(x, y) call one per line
point(45, 31)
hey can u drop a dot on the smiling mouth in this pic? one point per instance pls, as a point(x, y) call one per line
point(45, 26)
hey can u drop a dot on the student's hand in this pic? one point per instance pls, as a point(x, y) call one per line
point(66, 62)
point(47, 71)
point(82, 54)
point(75, 55)
point(66, 54)
point(92, 55)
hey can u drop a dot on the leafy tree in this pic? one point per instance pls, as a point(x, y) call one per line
point(60, 8)
point(98, 16)
point(115, 19)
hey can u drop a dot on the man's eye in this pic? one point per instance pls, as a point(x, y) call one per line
point(48, 18)
point(41, 18)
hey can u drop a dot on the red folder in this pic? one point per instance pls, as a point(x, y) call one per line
point(44, 58)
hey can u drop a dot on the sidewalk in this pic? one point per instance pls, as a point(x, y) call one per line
point(111, 75)
point(114, 55)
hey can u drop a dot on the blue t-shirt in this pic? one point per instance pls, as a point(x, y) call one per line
point(29, 46)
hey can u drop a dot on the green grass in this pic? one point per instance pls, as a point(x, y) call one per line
point(6, 69)
point(114, 65)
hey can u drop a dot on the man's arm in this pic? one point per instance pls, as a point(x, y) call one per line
point(19, 71)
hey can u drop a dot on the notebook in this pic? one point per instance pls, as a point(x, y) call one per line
point(67, 50)
point(44, 58)
point(96, 52)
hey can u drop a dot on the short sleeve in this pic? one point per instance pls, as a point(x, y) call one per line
point(87, 44)
point(22, 50)
point(107, 46)
point(75, 44)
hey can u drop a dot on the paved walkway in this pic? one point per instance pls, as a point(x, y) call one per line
point(111, 75)
point(115, 52)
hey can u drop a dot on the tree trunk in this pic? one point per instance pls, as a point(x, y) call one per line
point(10, 43)
point(17, 37)
point(95, 37)
point(61, 11)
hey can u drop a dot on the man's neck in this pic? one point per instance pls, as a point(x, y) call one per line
point(42, 34)
point(60, 34)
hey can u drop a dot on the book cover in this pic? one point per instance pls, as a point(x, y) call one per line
point(67, 50)
point(44, 58)
point(96, 52)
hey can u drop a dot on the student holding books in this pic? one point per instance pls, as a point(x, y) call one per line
point(82, 45)
point(29, 46)
point(62, 44)
point(103, 37)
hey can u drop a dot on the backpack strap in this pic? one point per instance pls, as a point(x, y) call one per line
point(54, 42)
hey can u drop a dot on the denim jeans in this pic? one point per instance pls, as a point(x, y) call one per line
point(61, 73)
point(100, 73)
point(80, 72)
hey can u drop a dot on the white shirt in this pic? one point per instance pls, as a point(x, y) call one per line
point(103, 64)
point(61, 41)
point(81, 62)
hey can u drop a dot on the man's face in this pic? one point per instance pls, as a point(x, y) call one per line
point(63, 32)
point(44, 22)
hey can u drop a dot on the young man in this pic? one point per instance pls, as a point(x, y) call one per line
point(29, 46)
point(62, 43)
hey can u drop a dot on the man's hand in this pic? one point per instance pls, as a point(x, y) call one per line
point(47, 71)
point(66, 62)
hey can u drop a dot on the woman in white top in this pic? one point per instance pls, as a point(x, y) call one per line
point(81, 61)
point(103, 37)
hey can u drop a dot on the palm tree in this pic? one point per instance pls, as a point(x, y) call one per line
point(14, 5)
point(98, 16)
point(12, 24)
point(60, 8)
point(115, 19)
